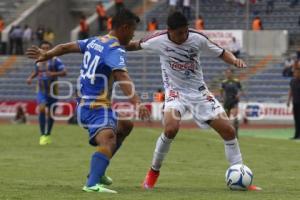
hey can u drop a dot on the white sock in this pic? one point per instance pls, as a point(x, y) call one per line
point(232, 152)
point(162, 148)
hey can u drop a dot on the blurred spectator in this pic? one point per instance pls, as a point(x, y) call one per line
point(27, 37)
point(159, 96)
point(293, 3)
point(187, 9)
point(20, 117)
point(288, 67)
point(40, 34)
point(257, 24)
point(49, 36)
point(152, 25)
point(84, 28)
point(172, 5)
point(298, 54)
point(119, 5)
point(199, 23)
point(109, 23)
point(101, 16)
point(235, 47)
point(299, 21)
point(11, 40)
point(269, 6)
point(1, 27)
point(242, 2)
point(17, 37)
point(294, 96)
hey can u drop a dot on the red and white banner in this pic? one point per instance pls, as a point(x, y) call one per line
point(251, 110)
point(8, 108)
point(266, 111)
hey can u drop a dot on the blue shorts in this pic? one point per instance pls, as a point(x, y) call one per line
point(96, 120)
point(45, 99)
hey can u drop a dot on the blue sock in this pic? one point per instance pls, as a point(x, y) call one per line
point(42, 121)
point(50, 125)
point(99, 164)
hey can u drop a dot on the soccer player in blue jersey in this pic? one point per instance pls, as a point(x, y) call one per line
point(104, 62)
point(47, 73)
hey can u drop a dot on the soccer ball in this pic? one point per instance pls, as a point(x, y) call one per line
point(238, 177)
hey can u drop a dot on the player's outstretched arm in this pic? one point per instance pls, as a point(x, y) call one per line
point(31, 76)
point(229, 58)
point(133, 46)
point(41, 55)
point(126, 86)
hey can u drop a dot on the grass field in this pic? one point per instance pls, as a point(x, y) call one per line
point(194, 168)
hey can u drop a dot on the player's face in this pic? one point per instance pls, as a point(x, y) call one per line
point(128, 33)
point(179, 35)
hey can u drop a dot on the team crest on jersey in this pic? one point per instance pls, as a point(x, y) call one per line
point(192, 53)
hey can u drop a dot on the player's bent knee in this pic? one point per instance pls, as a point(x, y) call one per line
point(105, 150)
point(105, 138)
point(171, 131)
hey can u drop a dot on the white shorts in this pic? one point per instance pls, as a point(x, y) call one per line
point(203, 106)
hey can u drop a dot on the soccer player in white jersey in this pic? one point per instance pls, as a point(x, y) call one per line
point(180, 50)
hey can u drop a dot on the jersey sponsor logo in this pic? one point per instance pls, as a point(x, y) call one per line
point(183, 66)
point(95, 46)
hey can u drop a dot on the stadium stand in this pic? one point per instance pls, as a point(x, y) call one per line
point(145, 67)
point(219, 11)
point(11, 9)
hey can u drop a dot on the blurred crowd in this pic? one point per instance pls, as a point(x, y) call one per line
point(22, 37)
point(291, 63)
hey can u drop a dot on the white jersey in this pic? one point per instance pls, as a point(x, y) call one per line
point(180, 64)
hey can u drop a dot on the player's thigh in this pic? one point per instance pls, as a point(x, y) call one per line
point(223, 126)
point(96, 121)
point(105, 137)
point(205, 109)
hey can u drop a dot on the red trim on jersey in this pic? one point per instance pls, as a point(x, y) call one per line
point(153, 35)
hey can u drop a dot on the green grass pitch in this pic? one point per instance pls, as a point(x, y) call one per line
point(194, 168)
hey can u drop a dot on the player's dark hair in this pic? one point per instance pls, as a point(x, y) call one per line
point(45, 42)
point(177, 20)
point(124, 16)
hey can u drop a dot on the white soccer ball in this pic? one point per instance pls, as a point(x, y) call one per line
point(238, 177)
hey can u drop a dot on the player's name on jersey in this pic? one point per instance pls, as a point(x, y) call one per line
point(95, 46)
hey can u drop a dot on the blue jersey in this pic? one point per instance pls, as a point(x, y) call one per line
point(102, 55)
point(44, 81)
